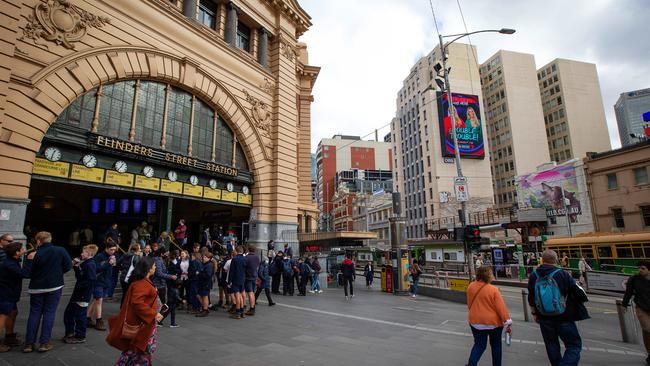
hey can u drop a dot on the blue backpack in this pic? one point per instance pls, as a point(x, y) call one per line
point(286, 266)
point(549, 300)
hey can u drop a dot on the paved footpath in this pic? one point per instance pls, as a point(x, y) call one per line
point(372, 329)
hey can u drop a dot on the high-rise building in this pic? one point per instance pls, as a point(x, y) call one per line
point(629, 109)
point(573, 109)
point(344, 153)
point(515, 122)
point(422, 143)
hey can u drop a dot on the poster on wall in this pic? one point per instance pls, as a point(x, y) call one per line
point(467, 122)
point(554, 190)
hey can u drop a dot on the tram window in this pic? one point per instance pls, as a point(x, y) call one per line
point(605, 252)
point(624, 252)
point(151, 207)
point(95, 204)
point(137, 206)
point(109, 208)
point(574, 252)
point(124, 206)
point(588, 252)
point(638, 252)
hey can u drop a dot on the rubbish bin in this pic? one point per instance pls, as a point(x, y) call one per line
point(389, 278)
point(383, 278)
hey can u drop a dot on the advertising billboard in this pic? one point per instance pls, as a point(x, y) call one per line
point(554, 190)
point(467, 122)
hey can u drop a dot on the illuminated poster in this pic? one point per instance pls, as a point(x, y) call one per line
point(467, 121)
point(549, 188)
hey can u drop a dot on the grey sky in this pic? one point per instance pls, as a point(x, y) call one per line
point(367, 47)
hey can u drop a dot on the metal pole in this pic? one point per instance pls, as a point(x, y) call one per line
point(524, 299)
point(459, 170)
point(566, 211)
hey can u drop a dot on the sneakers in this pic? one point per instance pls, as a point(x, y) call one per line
point(312, 291)
point(46, 347)
point(413, 296)
point(12, 340)
point(202, 314)
point(320, 291)
point(74, 340)
point(99, 325)
point(251, 312)
point(236, 316)
point(174, 325)
point(347, 297)
point(28, 348)
point(271, 303)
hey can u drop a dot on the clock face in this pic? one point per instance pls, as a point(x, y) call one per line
point(148, 171)
point(213, 183)
point(52, 154)
point(244, 189)
point(89, 160)
point(171, 175)
point(230, 187)
point(121, 166)
point(194, 180)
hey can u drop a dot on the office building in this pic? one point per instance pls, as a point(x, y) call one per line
point(423, 147)
point(629, 109)
point(515, 122)
point(573, 109)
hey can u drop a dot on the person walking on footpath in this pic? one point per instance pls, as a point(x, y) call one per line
point(11, 285)
point(583, 267)
point(638, 286)
point(349, 275)
point(264, 280)
point(133, 330)
point(45, 289)
point(369, 274)
point(487, 316)
point(74, 317)
point(415, 270)
point(556, 303)
point(315, 281)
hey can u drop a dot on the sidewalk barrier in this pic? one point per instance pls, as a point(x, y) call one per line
point(524, 299)
point(627, 321)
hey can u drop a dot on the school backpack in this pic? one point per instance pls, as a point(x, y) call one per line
point(286, 267)
point(549, 300)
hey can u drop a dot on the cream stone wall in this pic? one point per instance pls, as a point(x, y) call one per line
point(152, 39)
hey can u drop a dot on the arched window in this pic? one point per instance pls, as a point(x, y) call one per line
point(211, 138)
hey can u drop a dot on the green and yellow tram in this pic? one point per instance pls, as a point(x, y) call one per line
point(619, 252)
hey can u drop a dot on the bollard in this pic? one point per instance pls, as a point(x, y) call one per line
point(524, 299)
point(627, 322)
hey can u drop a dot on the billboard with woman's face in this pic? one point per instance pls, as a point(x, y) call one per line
point(467, 122)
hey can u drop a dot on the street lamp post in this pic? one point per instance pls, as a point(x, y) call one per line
point(450, 106)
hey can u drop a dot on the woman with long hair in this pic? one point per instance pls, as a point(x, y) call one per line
point(133, 330)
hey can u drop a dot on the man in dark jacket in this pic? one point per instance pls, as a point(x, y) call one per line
point(236, 279)
point(348, 273)
point(4, 240)
point(638, 286)
point(275, 270)
point(560, 326)
point(105, 261)
point(252, 264)
point(45, 288)
point(74, 317)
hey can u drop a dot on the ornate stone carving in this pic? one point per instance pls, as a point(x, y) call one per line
point(287, 49)
point(261, 113)
point(60, 22)
point(267, 86)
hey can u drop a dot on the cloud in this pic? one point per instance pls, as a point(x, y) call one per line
point(366, 48)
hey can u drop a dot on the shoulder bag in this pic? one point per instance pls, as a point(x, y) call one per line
point(475, 296)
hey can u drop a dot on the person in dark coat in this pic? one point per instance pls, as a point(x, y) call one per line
point(275, 271)
point(236, 279)
point(126, 264)
point(369, 273)
point(74, 317)
point(11, 285)
point(161, 276)
point(561, 326)
point(205, 283)
point(264, 281)
point(349, 274)
point(173, 264)
point(638, 286)
point(105, 262)
point(252, 264)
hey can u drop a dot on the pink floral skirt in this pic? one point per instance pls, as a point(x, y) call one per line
point(137, 358)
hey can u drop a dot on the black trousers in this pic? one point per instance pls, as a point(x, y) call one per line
point(287, 285)
point(267, 292)
point(302, 285)
point(348, 281)
point(275, 283)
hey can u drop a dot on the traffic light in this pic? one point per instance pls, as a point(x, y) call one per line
point(472, 236)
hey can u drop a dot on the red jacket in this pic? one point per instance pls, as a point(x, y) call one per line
point(140, 307)
point(180, 231)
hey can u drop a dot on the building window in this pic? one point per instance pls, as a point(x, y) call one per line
point(178, 121)
point(645, 215)
point(243, 37)
point(149, 117)
point(640, 176)
point(207, 13)
point(612, 182)
point(617, 213)
point(116, 109)
point(202, 131)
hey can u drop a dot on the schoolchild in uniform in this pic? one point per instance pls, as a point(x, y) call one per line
point(74, 317)
point(205, 283)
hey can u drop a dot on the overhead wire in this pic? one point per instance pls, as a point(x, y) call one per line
point(470, 47)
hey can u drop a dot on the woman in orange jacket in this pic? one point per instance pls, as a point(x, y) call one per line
point(488, 315)
point(139, 309)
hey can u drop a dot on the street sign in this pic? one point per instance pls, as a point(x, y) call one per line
point(458, 285)
point(460, 188)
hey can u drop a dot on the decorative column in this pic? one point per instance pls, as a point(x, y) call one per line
point(189, 8)
point(263, 47)
point(189, 144)
point(163, 139)
point(136, 93)
point(231, 24)
point(98, 97)
point(234, 150)
point(215, 121)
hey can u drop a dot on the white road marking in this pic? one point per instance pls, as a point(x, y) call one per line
point(438, 331)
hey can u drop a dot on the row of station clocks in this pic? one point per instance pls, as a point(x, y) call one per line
point(90, 161)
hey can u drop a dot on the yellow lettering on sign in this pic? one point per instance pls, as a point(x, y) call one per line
point(171, 187)
point(143, 182)
point(190, 190)
point(80, 172)
point(213, 194)
point(51, 168)
point(458, 285)
point(119, 179)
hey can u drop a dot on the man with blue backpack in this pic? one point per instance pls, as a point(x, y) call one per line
point(556, 302)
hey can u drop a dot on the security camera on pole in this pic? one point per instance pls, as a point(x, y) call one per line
point(460, 181)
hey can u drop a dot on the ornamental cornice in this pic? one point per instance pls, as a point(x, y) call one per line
point(294, 12)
